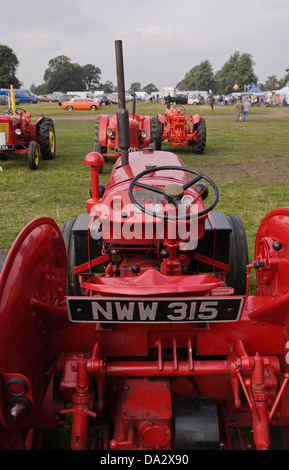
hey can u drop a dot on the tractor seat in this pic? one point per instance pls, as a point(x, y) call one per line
point(27, 117)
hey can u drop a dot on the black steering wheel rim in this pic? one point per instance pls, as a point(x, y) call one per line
point(200, 176)
point(181, 111)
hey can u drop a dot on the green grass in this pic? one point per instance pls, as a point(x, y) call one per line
point(248, 161)
point(143, 108)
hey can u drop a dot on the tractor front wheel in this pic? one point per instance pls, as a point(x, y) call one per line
point(46, 139)
point(103, 149)
point(73, 287)
point(3, 257)
point(200, 145)
point(238, 256)
point(33, 155)
point(156, 132)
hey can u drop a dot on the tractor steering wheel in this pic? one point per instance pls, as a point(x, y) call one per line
point(173, 192)
point(20, 109)
point(179, 110)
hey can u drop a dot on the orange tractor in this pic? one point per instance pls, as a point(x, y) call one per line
point(180, 131)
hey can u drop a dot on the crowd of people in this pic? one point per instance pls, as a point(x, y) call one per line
point(242, 105)
point(242, 109)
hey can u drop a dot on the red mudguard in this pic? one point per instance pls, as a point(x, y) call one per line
point(32, 284)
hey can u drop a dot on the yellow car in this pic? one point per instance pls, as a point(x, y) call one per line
point(80, 103)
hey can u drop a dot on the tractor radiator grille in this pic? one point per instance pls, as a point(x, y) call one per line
point(4, 127)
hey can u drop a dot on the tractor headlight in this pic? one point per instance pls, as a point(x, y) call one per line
point(156, 207)
point(136, 209)
point(143, 134)
point(18, 131)
point(187, 200)
point(110, 132)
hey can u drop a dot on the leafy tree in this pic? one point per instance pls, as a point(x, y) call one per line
point(8, 67)
point(200, 77)
point(63, 75)
point(107, 87)
point(135, 86)
point(237, 70)
point(189, 82)
point(270, 83)
point(205, 77)
point(285, 80)
point(39, 90)
point(150, 88)
point(91, 77)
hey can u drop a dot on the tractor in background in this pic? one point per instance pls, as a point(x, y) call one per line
point(180, 130)
point(19, 136)
point(135, 320)
point(144, 131)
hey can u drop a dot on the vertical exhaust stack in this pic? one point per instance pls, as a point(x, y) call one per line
point(122, 114)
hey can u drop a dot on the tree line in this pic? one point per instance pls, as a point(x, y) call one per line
point(237, 74)
point(64, 75)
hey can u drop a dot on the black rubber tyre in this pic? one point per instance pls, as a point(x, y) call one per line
point(3, 257)
point(96, 138)
point(72, 285)
point(98, 148)
point(156, 132)
point(33, 155)
point(46, 139)
point(200, 145)
point(238, 256)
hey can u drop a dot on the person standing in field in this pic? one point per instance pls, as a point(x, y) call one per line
point(247, 106)
point(212, 102)
point(239, 108)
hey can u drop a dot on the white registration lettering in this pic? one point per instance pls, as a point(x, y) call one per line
point(124, 312)
point(193, 311)
point(180, 309)
point(147, 313)
point(96, 309)
point(207, 311)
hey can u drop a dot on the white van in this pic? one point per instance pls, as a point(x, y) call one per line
point(81, 94)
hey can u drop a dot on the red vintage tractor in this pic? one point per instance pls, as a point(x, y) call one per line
point(144, 131)
point(180, 130)
point(136, 321)
point(19, 136)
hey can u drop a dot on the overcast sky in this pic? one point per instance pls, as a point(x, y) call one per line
point(162, 39)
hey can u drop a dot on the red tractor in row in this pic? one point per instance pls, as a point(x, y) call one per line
point(144, 132)
point(180, 130)
point(18, 135)
point(135, 320)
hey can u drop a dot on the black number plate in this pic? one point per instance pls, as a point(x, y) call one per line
point(129, 310)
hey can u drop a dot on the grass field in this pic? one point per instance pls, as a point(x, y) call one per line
point(249, 162)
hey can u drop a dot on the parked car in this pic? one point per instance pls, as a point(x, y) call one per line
point(128, 96)
point(48, 98)
point(23, 95)
point(103, 100)
point(193, 99)
point(113, 98)
point(180, 99)
point(4, 100)
point(66, 97)
point(80, 103)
